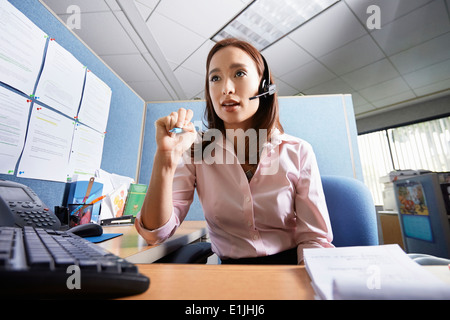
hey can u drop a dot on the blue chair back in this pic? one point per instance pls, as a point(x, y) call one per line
point(352, 211)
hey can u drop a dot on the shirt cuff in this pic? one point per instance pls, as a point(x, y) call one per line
point(157, 236)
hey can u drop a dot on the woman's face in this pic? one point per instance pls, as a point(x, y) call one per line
point(233, 79)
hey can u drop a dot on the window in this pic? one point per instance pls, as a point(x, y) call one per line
point(424, 145)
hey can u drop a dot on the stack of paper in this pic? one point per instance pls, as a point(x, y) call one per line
point(374, 272)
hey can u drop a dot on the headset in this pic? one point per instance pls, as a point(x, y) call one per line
point(266, 88)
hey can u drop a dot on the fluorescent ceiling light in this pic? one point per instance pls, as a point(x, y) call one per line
point(264, 22)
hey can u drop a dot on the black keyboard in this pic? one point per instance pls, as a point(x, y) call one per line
point(44, 263)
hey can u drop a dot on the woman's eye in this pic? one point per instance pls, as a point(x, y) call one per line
point(240, 73)
point(214, 79)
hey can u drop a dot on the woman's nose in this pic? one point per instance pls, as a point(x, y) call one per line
point(228, 87)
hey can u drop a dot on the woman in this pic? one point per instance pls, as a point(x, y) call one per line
point(260, 189)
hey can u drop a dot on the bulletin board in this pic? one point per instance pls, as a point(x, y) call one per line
point(122, 135)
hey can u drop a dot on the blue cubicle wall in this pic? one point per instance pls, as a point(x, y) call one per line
point(327, 122)
point(122, 140)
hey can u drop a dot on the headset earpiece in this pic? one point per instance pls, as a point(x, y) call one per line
point(267, 88)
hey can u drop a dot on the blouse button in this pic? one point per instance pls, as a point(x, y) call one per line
point(247, 199)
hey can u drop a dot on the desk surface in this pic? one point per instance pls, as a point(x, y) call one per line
point(135, 249)
point(212, 282)
point(225, 282)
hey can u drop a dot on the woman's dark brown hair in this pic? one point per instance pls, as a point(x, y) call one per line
point(267, 115)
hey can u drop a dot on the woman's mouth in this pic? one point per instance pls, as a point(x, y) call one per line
point(230, 105)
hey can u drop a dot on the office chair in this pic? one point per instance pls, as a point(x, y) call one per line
point(351, 210)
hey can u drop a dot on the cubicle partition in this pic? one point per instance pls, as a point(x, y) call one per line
point(327, 122)
point(122, 136)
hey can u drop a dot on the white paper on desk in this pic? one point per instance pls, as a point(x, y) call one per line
point(94, 109)
point(47, 146)
point(106, 209)
point(22, 46)
point(14, 110)
point(61, 82)
point(87, 150)
point(372, 272)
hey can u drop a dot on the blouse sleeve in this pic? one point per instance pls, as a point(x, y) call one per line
point(313, 228)
point(182, 197)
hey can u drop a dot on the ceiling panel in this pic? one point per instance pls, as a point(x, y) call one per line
point(197, 60)
point(371, 74)
point(356, 54)
point(191, 82)
point(408, 59)
point(153, 90)
point(103, 33)
point(390, 10)
point(428, 75)
point(425, 54)
point(176, 41)
point(437, 87)
point(62, 6)
point(385, 89)
point(286, 56)
point(204, 17)
point(334, 86)
point(410, 30)
point(312, 74)
point(131, 67)
point(328, 31)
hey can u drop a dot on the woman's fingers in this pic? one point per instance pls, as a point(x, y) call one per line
point(181, 119)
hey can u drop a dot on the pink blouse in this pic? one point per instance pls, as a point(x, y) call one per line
point(282, 207)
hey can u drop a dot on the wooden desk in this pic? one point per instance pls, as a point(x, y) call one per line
point(135, 249)
point(225, 282)
point(204, 282)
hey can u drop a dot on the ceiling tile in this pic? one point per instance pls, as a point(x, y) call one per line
point(360, 109)
point(429, 75)
point(128, 28)
point(285, 56)
point(151, 90)
point(358, 100)
point(61, 6)
point(394, 99)
point(334, 86)
point(130, 67)
point(283, 89)
point(174, 40)
point(372, 74)
point(197, 60)
point(428, 53)
point(384, 89)
point(307, 76)
point(389, 9)
point(103, 33)
point(328, 31)
point(434, 88)
point(145, 7)
point(418, 26)
point(356, 54)
point(204, 17)
point(191, 82)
